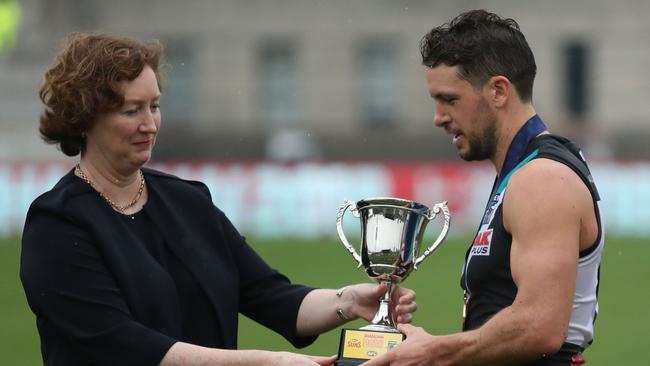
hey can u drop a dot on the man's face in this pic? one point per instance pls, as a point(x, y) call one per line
point(463, 112)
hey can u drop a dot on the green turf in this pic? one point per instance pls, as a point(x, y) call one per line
point(621, 329)
point(18, 337)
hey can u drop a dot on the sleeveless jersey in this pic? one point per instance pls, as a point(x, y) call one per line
point(487, 277)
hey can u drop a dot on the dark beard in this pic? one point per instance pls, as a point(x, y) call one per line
point(483, 147)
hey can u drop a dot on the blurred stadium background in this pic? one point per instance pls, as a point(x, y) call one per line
point(287, 107)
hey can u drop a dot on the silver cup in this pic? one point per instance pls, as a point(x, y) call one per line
point(391, 233)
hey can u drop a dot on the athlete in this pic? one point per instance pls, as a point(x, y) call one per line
point(531, 274)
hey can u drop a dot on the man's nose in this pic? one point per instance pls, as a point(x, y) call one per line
point(440, 118)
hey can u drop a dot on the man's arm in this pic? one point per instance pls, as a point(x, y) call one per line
point(543, 208)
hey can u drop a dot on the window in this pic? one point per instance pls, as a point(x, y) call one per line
point(379, 80)
point(576, 75)
point(278, 83)
point(178, 95)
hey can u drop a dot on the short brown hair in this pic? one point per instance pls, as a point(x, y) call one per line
point(84, 80)
point(482, 45)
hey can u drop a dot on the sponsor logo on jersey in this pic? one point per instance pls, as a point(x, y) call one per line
point(482, 241)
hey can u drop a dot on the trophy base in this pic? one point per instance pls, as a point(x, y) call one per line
point(360, 345)
point(379, 328)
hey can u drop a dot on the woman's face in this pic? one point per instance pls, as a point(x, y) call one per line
point(125, 137)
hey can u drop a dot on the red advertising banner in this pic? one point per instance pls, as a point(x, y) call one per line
point(302, 199)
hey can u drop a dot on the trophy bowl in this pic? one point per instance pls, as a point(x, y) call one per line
point(392, 230)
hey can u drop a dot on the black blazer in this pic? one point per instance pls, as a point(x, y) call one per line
point(101, 299)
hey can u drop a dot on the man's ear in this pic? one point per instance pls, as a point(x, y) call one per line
point(500, 90)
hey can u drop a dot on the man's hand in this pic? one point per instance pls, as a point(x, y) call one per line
point(415, 350)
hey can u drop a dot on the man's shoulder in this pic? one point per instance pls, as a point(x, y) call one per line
point(559, 148)
point(540, 171)
point(545, 185)
point(544, 196)
point(567, 153)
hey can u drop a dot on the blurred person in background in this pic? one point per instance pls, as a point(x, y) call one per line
point(531, 274)
point(124, 265)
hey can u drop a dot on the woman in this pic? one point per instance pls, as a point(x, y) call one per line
point(124, 265)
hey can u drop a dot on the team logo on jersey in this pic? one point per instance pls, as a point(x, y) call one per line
point(482, 241)
point(491, 207)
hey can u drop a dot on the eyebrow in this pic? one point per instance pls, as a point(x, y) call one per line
point(444, 95)
point(141, 100)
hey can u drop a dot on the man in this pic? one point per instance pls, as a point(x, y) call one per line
point(531, 273)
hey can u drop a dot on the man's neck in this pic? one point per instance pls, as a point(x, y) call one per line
point(509, 124)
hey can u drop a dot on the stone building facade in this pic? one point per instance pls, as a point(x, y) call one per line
point(336, 79)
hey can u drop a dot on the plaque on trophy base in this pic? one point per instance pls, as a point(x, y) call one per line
point(358, 345)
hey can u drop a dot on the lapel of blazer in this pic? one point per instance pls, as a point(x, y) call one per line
point(179, 239)
point(129, 265)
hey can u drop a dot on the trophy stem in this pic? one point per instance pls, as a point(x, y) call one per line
point(383, 320)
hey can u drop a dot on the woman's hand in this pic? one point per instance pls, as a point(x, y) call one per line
point(289, 358)
point(364, 301)
point(185, 354)
point(325, 309)
point(403, 305)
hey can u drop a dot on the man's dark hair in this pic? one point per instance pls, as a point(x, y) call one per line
point(482, 45)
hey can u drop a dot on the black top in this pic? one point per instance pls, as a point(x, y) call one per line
point(487, 275)
point(192, 299)
point(108, 292)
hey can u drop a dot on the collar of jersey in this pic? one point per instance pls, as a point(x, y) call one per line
point(505, 180)
point(527, 133)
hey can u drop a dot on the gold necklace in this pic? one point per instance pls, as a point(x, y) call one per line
point(116, 207)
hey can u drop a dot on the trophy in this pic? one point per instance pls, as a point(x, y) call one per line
point(391, 233)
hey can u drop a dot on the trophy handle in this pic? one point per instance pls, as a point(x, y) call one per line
point(435, 210)
point(339, 229)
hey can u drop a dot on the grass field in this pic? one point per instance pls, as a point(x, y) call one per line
point(622, 328)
